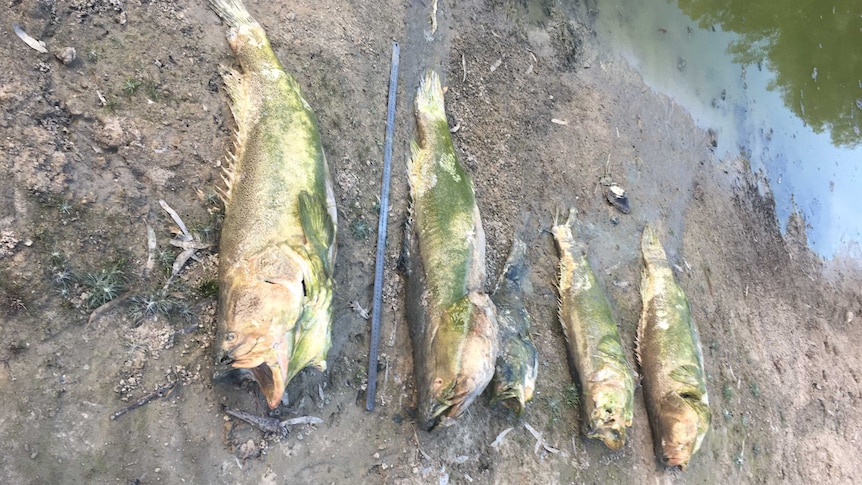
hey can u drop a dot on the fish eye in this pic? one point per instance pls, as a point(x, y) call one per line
point(230, 337)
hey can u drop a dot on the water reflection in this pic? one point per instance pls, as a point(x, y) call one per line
point(779, 82)
point(812, 47)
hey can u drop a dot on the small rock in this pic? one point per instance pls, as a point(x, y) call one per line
point(617, 197)
point(247, 450)
point(66, 55)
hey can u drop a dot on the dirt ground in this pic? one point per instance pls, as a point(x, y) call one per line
point(88, 148)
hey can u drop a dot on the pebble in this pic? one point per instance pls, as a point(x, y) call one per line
point(66, 55)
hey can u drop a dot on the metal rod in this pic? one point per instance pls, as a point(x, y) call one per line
point(374, 347)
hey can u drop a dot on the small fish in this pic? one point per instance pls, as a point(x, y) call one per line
point(453, 323)
point(605, 377)
point(671, 360)
point(277, 247)
point(518, 361)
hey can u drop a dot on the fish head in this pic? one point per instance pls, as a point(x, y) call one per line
point(683, 420)
point(608, 407)
point(258, 313)
point(515, 375)
point(462, 351)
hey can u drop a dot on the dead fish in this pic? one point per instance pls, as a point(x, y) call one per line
point(518, 360)
point(453, 323)
point(277, 247)
point(605, 377)
point(671, 360)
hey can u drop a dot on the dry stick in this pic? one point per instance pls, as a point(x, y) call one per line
point(264, 423)
point(376, 309)
point(97, 313)
point(162, 391)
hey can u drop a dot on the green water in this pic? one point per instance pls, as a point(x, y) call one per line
point(780, 82)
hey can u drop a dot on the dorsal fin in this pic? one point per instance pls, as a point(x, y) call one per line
point(240, 107)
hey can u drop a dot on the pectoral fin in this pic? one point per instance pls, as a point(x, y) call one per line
point(687, 374)
point(317, 224)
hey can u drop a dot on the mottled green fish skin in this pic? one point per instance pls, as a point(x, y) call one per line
point(518, 361)
point(277, 246)
point(671, 360)
point(459, 339)
point(605, 377)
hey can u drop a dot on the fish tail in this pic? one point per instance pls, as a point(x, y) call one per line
point(429, 98)
point(516, 264)
point(653, 251)
point(232, 11)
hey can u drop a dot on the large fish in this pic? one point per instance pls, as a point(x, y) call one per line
point(605, 378)
point(671, 360)
point(277, 247)
point(453, 322)
point(518, 361)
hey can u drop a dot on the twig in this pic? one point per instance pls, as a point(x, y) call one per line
point(301, 420)
point(540, 441)
point(152, 244)
point(162, 391)
point(107, 306)
point(264, 423)
point(271, 425)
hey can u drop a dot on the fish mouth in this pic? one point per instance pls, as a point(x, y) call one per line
point(510, 395)
point(609, 426)
point(678, 456)
point(611, 434)
point(445, 408)
point(269, 369)
point(223, 365)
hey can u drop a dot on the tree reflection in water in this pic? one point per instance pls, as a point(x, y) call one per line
point(814, 48)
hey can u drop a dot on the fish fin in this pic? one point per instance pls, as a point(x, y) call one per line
point(515, 268)
point(611, 346)
point(687, 374)
point(271, 383)
point(651, 247)
point(240, 107)
point(572, 220)
point(317, 224)
point(414, 177)
point(232, 11)
point(429, 97)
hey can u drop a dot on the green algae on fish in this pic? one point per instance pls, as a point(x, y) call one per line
point(277, 246)
point(605, 378)
point(518, 360)
point(671, 360)
point(453, 322)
